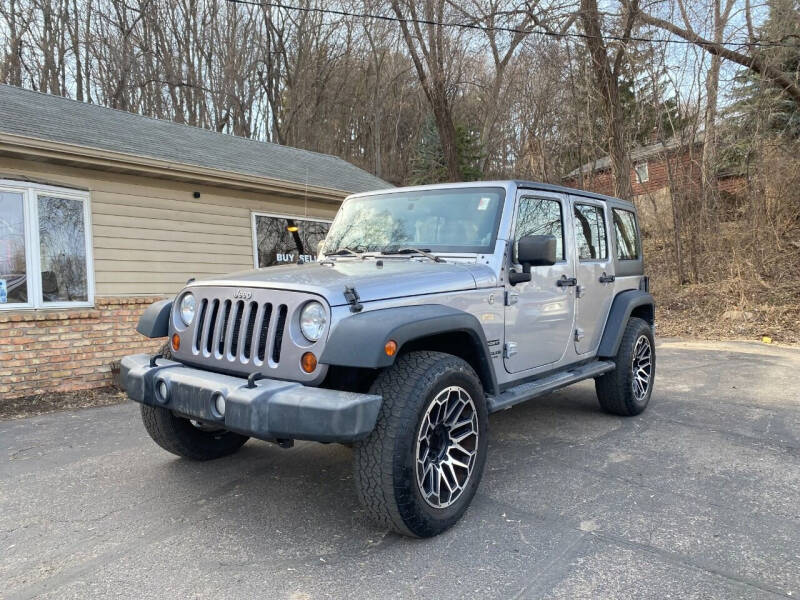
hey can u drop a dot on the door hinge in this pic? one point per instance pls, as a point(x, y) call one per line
point(509, 349)
point(579, 334)
point(511, 298)
point(579, 290)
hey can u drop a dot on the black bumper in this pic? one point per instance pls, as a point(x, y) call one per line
point(270, 410)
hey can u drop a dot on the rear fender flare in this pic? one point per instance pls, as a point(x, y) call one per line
point(621, 309)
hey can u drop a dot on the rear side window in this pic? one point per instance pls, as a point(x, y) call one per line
point(590, 232)
point(625, 233)
point(538, 216)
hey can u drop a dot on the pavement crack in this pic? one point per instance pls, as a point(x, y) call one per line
point(14, 455)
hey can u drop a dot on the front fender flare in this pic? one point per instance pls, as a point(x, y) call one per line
point(359, 340)
point(154, 322)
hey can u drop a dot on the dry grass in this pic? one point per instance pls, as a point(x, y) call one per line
point(40, 404)
point(748, 290)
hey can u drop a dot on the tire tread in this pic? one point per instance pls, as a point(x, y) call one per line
point(613, 388)
point(178, 436)
point(375, 457)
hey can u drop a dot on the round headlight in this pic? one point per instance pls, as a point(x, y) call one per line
point(313, 321)
point(187, 308)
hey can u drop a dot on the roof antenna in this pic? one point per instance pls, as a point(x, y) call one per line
point(305, 198)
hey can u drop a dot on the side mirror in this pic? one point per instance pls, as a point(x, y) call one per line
point(533, 251)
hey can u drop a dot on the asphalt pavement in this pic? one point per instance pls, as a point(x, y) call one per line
point(699, 497)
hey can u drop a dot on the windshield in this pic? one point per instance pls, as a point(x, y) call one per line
point(440, 220)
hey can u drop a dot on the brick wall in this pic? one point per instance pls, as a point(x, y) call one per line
point(684, 167)
point(50, 351)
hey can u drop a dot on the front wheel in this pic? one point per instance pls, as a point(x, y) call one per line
point(627, 389)
point(418, 470)
point(189, 439)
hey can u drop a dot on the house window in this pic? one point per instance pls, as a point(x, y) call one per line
point(642, 174)
point(280, 239)
point(45, 247)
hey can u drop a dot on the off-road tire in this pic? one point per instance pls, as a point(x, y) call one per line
point(179, 436)
point(615, 389)
point(386, 461)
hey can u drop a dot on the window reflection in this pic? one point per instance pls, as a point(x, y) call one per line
point(625, 232)
point(62, 241)
point(540, 217)
point(458, 220)
point(590, 232)
point(281, 240)
point(13, 280)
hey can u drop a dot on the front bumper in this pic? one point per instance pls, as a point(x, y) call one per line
point(270, 410)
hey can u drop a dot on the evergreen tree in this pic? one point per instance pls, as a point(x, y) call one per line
point(428, 164)
point(758, 107)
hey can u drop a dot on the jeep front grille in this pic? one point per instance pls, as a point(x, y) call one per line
point(247, 330)
point(239, 330)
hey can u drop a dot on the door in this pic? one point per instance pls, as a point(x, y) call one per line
point(594, 272)
point(540, 313)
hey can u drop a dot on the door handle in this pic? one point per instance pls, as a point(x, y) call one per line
point(566, 281)
point(606, 278)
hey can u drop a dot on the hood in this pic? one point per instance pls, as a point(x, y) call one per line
point(396, 278)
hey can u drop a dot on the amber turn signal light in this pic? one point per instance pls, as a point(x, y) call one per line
point(176, 342)
point(308, 362)
point(390, 348)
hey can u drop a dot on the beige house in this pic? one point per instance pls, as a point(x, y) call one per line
point(102, 211)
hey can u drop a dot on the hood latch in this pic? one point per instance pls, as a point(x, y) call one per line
point(351, 295)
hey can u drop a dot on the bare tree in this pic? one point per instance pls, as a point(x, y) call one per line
point(606, 82)
point(751, 61)
point(431, 52)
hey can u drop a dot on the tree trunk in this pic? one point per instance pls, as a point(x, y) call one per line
point(709, 158)
point(433, 85)
point(606, 85)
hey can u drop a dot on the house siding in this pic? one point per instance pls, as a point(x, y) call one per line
point(150, 235)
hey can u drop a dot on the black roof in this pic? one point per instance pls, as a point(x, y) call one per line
point(562, 189)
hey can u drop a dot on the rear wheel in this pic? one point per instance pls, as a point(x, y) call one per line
point(627, 389)
point(189, 439)
point(420, 467)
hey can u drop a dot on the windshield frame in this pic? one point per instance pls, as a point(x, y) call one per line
point(434, 249)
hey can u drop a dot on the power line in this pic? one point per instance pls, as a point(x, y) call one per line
point(475, 26)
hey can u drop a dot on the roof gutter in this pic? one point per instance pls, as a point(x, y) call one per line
point(108, 160)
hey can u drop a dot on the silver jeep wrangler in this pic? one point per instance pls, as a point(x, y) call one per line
point(429, 308)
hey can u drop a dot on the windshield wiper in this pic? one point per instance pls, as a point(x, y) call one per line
point(422, 251)
point(344, 252)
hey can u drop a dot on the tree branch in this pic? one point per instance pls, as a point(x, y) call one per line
point(754, 63)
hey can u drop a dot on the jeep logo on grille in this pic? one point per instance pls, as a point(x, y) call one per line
point(243, 294)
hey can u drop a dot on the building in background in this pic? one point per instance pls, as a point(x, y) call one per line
point(102, 212)
point(658, 172)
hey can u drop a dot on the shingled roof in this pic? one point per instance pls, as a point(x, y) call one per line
point(56, 119)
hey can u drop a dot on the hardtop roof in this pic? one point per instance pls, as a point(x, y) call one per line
point(518, 183)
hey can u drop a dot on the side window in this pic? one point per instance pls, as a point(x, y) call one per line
point(590, 232)
point(625, 233)
point(538, 216)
